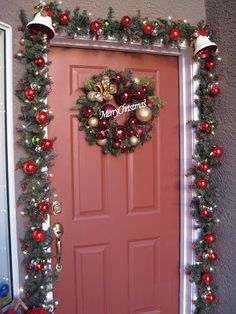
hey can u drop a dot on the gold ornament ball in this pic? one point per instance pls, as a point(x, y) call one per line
point(102, 142)
point(134, 141)
point(113, 89)
point(144, 114)
point(93, 122)
point(91, 96)
point(136, 80)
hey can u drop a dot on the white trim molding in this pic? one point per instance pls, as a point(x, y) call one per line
point(187, 112)
point(10, 154)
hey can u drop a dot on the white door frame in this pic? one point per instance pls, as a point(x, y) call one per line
point(8, 79)
point(187, 89)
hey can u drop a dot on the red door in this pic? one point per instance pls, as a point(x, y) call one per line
point(120, 215)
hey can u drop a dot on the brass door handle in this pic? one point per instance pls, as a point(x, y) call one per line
point(58, 232)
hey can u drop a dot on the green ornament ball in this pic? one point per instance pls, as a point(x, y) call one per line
point(38, 88)
point(213, 126)
point(36, 140)
point(43, 260)
point(106, 25)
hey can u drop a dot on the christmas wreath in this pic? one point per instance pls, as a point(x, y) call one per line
point(100, 118)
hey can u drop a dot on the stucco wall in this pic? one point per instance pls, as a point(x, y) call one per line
point(222, 18)
point(191, 10)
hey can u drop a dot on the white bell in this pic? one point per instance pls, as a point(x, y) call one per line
point(203, 44)
point(42, 24)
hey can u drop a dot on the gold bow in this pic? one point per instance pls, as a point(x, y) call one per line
point(102, 90)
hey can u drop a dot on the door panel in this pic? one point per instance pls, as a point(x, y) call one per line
point(120, 214)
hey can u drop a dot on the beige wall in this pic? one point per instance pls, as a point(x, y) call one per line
point(191, 10)
point(223, 19)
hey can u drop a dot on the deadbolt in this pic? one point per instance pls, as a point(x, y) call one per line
point(56, 208)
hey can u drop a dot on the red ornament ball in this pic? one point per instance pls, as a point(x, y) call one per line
point(148, 29)
point(30, 93)
point(212, 257)
point(217, 151)
point(126, 21)
point(46, 144)
point(204, 167)
point(210, 298)
point(37, 310)
point(29, 167)
point(125, 96)
point(205, 127)
point(149, 104)
point(140, 131)
point(103, 123)
point(87, 112)
point(95, 26)
point(205, 53)
point(128, 84)
point(174, 34)
point(132, 132)
point(120, 132)
point(40, 62)
point(204, 213)
point(138, 94)
point(206, 278)
point(40, 267)
point(39, 235)
point(124, 149)
point(116, 145)
point(210, 237)
point(41, 117)
point(101, 134)
point(210, 64)
point(64, 19)
point(133, 121)
point(148, 127)
point(44, 207)
point(109, 111)
point(118, 78)
point(215, 91)
point(144, 89)
point(202, 184)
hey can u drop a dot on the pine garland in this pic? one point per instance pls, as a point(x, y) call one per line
point(37, 195)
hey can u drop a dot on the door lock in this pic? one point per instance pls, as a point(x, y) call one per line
point(58, 232)
point(56, 208)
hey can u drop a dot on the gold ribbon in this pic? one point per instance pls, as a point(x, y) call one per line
point(102, 90)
